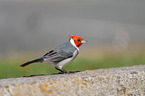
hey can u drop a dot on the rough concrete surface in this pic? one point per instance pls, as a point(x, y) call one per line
point(124, 81)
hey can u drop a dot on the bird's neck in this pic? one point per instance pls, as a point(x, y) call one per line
point(73, 43)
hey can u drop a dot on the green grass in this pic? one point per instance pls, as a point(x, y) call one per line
point(11, 69)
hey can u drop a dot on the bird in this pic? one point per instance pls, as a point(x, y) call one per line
point(61, 55)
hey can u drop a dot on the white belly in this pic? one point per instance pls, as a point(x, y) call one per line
point(67, 61)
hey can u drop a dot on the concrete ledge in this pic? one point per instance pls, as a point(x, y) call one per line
point(124, 81)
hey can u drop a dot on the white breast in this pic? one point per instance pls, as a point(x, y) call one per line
point(66, 61)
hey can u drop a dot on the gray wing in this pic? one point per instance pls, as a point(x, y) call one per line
point(57, 56)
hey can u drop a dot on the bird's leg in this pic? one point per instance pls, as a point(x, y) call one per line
point(65, 71)
point(61, 70)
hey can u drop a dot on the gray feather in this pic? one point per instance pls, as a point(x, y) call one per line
point(61, 53)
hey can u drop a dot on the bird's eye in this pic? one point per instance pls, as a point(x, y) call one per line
point(78, 40)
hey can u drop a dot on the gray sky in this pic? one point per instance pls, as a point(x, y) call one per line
point(37, 25)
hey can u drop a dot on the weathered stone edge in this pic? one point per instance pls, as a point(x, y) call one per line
point(123, 81)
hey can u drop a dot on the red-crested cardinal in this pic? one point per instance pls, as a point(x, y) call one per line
point(62, 55)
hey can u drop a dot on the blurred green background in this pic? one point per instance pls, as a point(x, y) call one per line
point(114, 30)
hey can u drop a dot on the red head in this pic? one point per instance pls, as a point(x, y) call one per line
point(78, 40)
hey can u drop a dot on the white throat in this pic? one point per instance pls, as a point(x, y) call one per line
point(73, 43)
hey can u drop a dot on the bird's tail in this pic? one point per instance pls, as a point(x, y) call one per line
point(33, 61)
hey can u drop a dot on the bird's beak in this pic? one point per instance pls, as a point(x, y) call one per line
point(83, 41)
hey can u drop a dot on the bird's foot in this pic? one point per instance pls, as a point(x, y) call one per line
point(64, 72)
